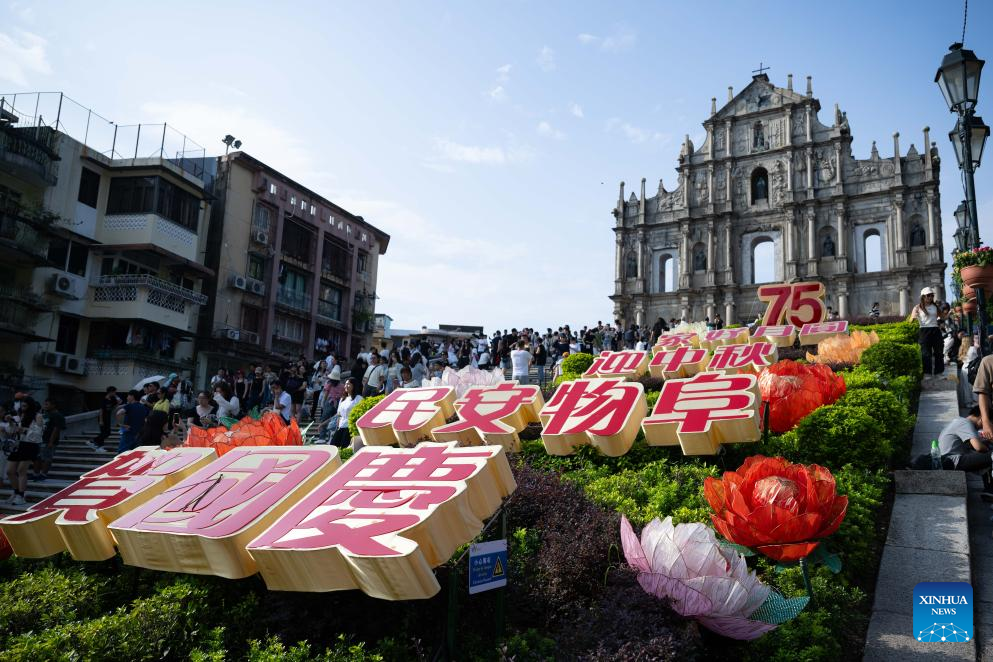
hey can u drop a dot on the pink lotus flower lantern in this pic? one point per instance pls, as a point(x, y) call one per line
point(466, 378)
point(684, 564)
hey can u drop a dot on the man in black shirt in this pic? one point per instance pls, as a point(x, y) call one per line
point(108, 406)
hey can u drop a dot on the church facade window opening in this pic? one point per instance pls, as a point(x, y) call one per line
point(760, 185)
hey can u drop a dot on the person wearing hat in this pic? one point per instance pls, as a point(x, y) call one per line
point(928, 313)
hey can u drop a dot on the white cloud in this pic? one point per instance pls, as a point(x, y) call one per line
point(268, 141)
point(546, 59)
point(25, 12)
point(621, 39)
point(447, 150)
point(22, 57)
point(547, 130)
point(498, 93)
point(635, 134)
point(503, 73)
point(576, 110)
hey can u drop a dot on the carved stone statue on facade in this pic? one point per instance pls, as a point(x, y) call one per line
point(827, 247)
point(825, 167)
point(720, 184)
point(702, 191)
point(758, 137)
point(779, 183)
point(699, 259)
point(630, 266)
point(917, 236)
point(800, 124)
point(719, 137)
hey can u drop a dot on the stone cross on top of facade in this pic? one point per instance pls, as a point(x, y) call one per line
point(761, 70)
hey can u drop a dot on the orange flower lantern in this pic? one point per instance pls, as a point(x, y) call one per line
point(843, 349)
point(269, 430)
point(792, 390)
point(776, 507)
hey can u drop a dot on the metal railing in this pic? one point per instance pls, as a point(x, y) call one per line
point(113, 140)
point(36, 151)
point(293, 299)
point(15, 229)
point(152, 282)
point(331, 311)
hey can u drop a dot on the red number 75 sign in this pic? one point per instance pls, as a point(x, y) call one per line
point(796, 303)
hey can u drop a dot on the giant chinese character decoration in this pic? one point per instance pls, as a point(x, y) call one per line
point(76, 518)
point(626, 364)
point(203, 524)
point(674, 340)
point(702, 412)
point(406, 416)
point(678, 362)
point(743, 358)
point(493, 415)
point(812, 334)
point(718, 337)
point(781, 336)
point(601, 412)
point(793, 303)
point(384, 520)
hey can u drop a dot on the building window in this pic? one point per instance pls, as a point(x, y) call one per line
point(89, 187)
point(303, 205)
point(330, 303)
point(288, 328)
point(760, 185)
point(297, 242)
point(111, 266)
point(335, 260)
point(365, 237)
point(137, 195)
point(630, 266)
point(273, 189)
point(363, 263)
point(256, 267)
point(68, 255)
point(263, 217)
point(293, 201)
point(65, 341)
point(251, 319)
point(313, 210)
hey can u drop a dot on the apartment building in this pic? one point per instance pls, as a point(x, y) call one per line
point(102, 239)
point(295, 274)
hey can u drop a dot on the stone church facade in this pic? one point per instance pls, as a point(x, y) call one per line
point(771, 182)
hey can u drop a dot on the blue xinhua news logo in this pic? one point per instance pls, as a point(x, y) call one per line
point(943, 611)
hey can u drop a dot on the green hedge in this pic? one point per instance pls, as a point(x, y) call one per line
point(893, 359)
point(899, 332)
point(577, 363)
point(365, 405)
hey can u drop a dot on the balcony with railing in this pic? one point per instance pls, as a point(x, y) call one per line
point(29, 153)
point(151, 229)
point(21, 242)
point(294, 300)
point(140, 296)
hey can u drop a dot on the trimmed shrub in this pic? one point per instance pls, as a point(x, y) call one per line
point(577, 363)
point(834, 436)
point(652, 397)
point(860, 377)
point(883, 406)
point(892, 359)
point(859, 539)
point(364, 405)
point(47, 598)
point(657, 489)
point(900, 332)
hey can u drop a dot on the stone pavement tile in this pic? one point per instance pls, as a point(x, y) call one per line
point(902, 568)
point(930, 482)
point(890, 639)
point(928, 521)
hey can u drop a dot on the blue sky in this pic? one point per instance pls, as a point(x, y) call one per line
point(489, 138)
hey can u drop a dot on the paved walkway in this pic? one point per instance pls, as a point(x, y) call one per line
point(928, 541)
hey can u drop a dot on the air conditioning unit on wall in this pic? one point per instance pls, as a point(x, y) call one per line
point(256, 287)
point(233, 334)
point(51, 359)
point(260, 237)
point(74, 365)
point(238, 282)
point(67, 286)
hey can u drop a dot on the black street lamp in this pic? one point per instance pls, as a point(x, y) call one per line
point(962, 242)
point(958, 78)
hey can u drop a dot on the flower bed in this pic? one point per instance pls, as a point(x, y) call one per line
point(571, 594)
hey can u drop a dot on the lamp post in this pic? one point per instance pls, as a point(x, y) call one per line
point(958, 79)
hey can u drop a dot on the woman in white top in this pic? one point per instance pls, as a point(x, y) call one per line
point(341, 437)
point(927, 313)
point(393, 372)
point(520, 359)
point(227, 404)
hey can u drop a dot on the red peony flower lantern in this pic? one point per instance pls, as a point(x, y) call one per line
point(776, 507)
point(793, 390)
point(270, 430)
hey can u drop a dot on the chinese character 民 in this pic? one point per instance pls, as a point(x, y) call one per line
point(601, 412)
point(704, 411)
point(406, 416)
point(493, 415)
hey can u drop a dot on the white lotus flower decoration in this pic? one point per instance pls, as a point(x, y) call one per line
point(684, 564)
point(466, 378)
point(690, 327)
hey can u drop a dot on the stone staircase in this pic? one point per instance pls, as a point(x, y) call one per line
point(73, 458)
